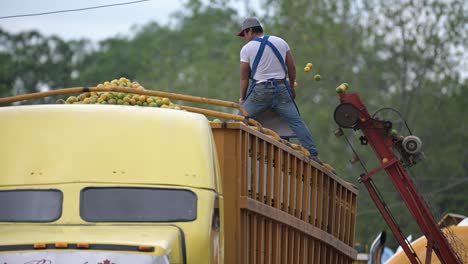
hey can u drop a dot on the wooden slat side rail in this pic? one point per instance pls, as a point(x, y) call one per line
point(298, 154)
point(292, 222)
point(280, 177)
point(287, 184)
point(281, 203)
point(293, 245)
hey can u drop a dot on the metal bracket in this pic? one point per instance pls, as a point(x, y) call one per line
point(379, 169)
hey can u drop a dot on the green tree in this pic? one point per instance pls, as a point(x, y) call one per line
point(33, 62)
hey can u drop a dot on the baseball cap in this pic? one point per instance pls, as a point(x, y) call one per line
point(248, 23)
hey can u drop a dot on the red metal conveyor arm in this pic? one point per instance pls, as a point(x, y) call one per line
point(380, 140)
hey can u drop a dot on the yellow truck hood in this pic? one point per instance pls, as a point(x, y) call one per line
point(105, 241)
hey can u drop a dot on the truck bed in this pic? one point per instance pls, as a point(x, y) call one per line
point(280, 207)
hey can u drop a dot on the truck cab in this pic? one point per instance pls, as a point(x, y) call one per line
point(108, 184)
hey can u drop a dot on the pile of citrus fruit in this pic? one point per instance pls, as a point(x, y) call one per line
point(116, 98)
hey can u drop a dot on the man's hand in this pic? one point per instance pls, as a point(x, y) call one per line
point(241, 101)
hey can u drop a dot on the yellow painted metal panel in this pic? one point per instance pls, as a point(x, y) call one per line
point(165, 239)
point(72, 229)
point(457, 236)
point(93, 143)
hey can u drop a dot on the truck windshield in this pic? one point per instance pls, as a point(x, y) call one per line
point(30, 205)
point(121, 204)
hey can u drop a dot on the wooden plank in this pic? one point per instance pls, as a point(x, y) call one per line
point(253, 233)
point(297, 246)
point(245, 241)
point(299, 187)
point(326, 200)
point(352, 228)
point(332, 205)
point(284, 243)
point(303, 249)
point(260, 240)
point(275, 243)
point(268, 239)
point(320, 197)
point(348, 217)
point(291, 246)
point(314, 199)
point(261, 174)
point(287, 158)
point(337, 210)
point(311, 251)
point(277, 176)
point(318, 258)
point(334, 256)
point(343, 215)
point(253, 166)
point(325, 255)
point(270, 176)
point(244, 150)
point(306, 197)
point(276, 256)
point(292, 192)
point(295, 223)
point(229, 147)
point(243, 237)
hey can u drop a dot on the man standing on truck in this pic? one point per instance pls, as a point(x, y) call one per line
point(267, 61)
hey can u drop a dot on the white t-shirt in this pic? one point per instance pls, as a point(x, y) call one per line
point(269, 66)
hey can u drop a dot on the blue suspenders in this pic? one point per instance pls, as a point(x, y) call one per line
point(263, 42)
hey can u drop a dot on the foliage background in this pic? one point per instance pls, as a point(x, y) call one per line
point(406, 54)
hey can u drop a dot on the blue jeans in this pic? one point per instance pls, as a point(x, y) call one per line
point(264, 96)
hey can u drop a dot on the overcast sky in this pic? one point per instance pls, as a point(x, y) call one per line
point(93, 24)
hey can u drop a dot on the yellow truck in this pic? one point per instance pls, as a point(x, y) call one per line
point(128, 184)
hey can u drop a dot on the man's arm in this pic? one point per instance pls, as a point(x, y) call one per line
point(244, 80)
point(291, 71)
